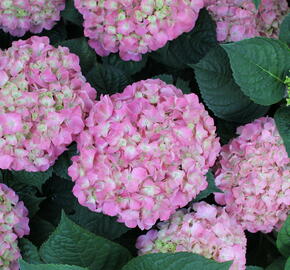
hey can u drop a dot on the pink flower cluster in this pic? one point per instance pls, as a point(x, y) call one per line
point(254, 173)
point(239, 19)
point(43, 97)
point(19, 16)
point(135, 27)
point(144, 153)
point(208, 231)
point(13, 225)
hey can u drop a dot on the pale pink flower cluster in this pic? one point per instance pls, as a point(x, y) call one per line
point(13, 225)
point(43, 97)
point(19, 16)
point(144, 153)
point(254, 173)
point(239, 19)
point(208, 231)
point(135, 27)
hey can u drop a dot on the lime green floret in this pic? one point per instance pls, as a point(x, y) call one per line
point(164, 246)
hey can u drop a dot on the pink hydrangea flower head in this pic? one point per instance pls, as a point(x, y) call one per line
point(270, 16)
point(13, 225)
point(254, 173)
point(144, 153)
point(208, 231)
point(43, 99)
point(239, 19)
point(135, 27)
point(20, 16)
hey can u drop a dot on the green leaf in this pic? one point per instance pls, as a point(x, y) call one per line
point(174, 261)
point(220, 92)
point(80, 47)
point(26, 266)
point(71, 14)
point(31, 202)
point(287, 266)
point(257, 3)
point(61, 165)
point(36, 179)
point(283, 239)
point(29, 251)
point(183, 85)
point(282, 119)
point(129, 67)
point(285, 30)
point(71, 244)
point(189, 47)
point(210, 188)
point(107, 79)
point(57, 34)
point(259, 67)
point(98, 223)
point(254, 268)
point(277, 264)
point(226, 130)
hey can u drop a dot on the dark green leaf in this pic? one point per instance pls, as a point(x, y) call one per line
point(257, 3)
point(26, 266)
point(63, 162)
point(254, 268)
point(29, 251)
point(71, 244)
point(190, 47)
point(107, 79)
point(282, 119)
point(283, 239)
point(174, 261)
point(80, 47)
point(98, 223)
point(183, 85)
point(71, 14)
point(285, 30)
point(56, 34)
point(287, 266)
point(31, 201)
point(259, 67)
point(226, 130)
point(129, 67)
point(36, 179)
point(220, 92)
point(277, 264)
point(210, 188)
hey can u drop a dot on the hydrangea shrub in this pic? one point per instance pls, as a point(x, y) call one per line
point(144, 134)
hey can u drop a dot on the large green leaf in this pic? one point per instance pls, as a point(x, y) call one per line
point(259, 67)
point(98, 223)
point(80, 47)
point(36, 179)
point(285, 30)
point(210, 188)
point(26, 266)
point(282, 119)
point(108, 79)
point(71, 244)
point(254, 268)
point(174, 261)
point(220, 92)
point(189, 47)
point(287, 266)
point(277, 264)
point(29, 251)
point(283, 239)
